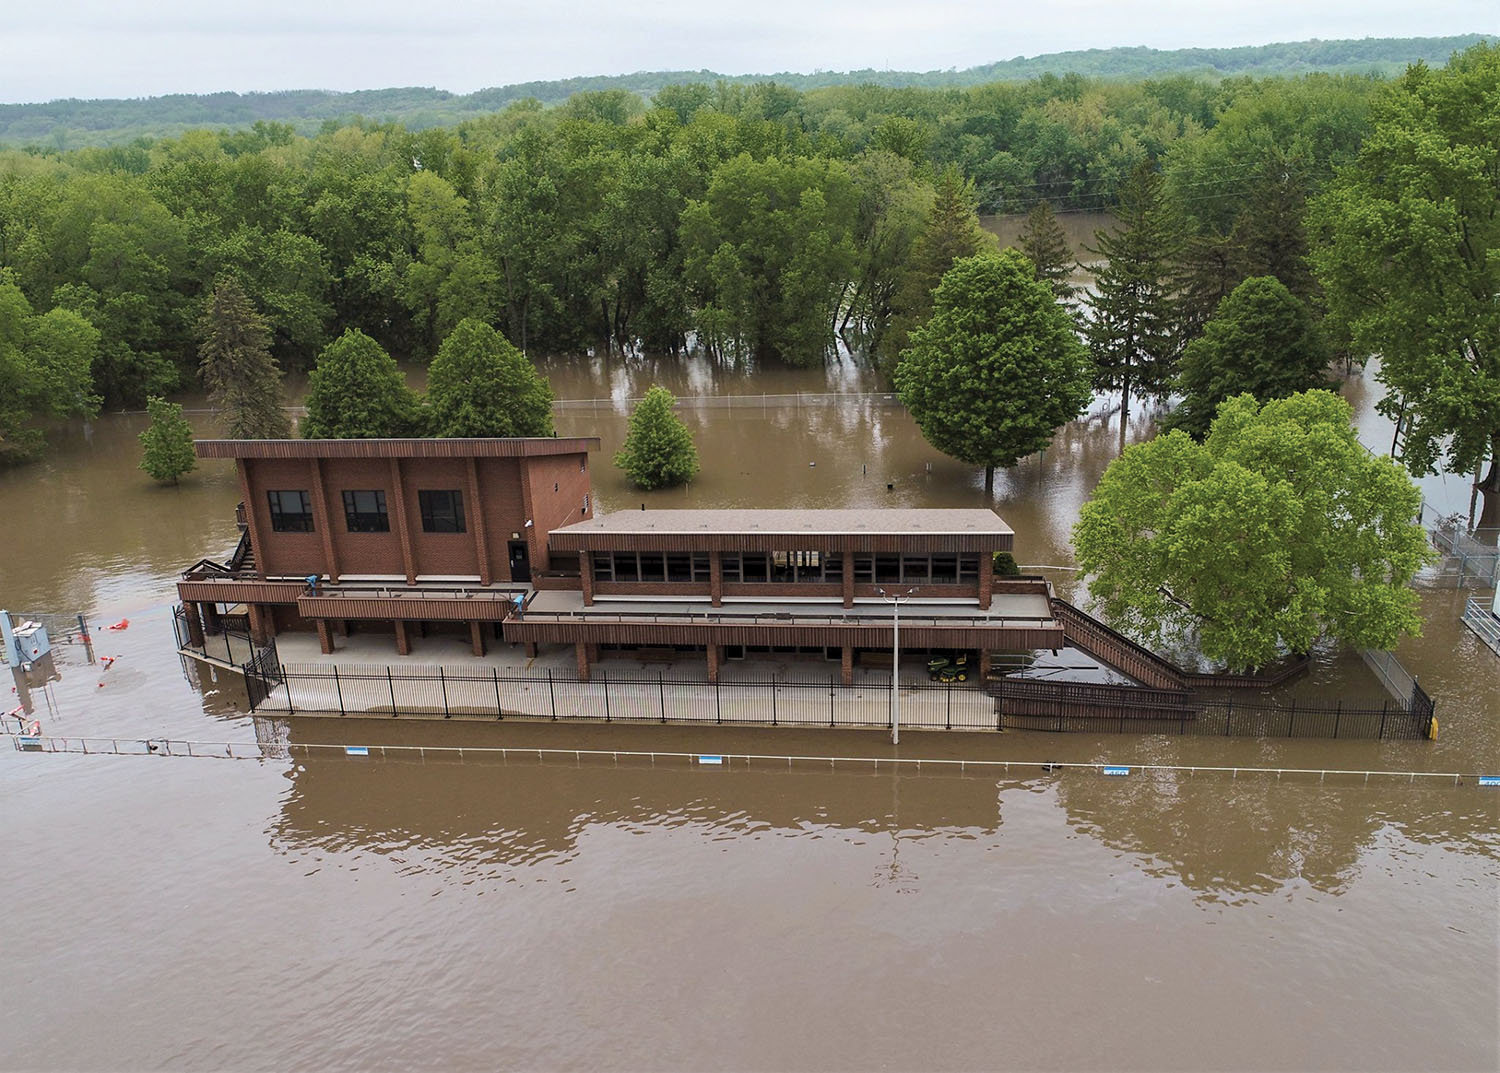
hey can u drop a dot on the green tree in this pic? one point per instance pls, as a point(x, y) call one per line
point(1275, 531)
point(1410, 261)
point(1044, 244)
point(658, 451)
point(242, 378)
point(1131, 326)
point(481, 385)
point(1261, 341)
point(357, 392)
point(167, 443)
point(44, 371)
point(997, 369)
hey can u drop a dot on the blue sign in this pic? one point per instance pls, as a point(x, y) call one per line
point(1489, 780)
point(356, 750)
point(1117, 771)
point(710, 759)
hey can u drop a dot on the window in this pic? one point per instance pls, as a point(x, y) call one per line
point(914, 567)
point(887, 568)
point(945, 569)
point(365, 512)
point(291, 512)
point(701, 569)
point(968, 568)
point(754, 566)
point(604, 566)
point(679, 566)
point(585, 502)
point(653, 567)
point(442, 512)
point(833, 567)
point(864, 567)
point(729, 567)
point(626, 568)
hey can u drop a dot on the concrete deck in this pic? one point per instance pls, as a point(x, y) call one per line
point(1005, 607)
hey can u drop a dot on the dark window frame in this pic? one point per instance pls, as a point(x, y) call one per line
point(290, 521)
point(436, 518)
point(366, 515)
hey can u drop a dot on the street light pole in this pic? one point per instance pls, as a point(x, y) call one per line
point(895, 602)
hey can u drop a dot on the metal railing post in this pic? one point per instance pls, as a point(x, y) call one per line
point(604, 677)
point(551, 694)
point(391, 685)
point(495, 675)
point(443, 682)
point(949, 725)
point(718, 702)
point(773, 700)
point(338, 686)
point(661, 692)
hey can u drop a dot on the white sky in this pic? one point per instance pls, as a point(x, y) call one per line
point(135, 48)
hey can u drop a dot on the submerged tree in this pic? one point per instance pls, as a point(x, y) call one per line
point(658, 451)
point(481, 385)
point(357, 392)
point(1043, 242)
point(243, 379)
point(1277, 530)
point(44, 370)
point(1131, 327)
point(1262, 341)
point(167, 443)
point(1410, 262)
point(997, 368)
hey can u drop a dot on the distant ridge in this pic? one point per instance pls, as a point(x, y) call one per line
point(73, 123)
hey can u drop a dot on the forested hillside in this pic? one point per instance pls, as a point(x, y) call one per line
point(70, 124)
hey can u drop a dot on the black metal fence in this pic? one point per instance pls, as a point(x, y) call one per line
point(1231, 718)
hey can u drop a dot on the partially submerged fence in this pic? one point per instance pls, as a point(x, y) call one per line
point(799, 399)
point(1469, 559)
point(1233, 718)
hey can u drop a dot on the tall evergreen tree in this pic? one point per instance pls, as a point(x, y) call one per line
point(1043, 242)
point(167, 443)
point(1132, 325)
point(481, 385)
point(243, 379)
point(658, 451)
point(952, 233)
point(357, 392)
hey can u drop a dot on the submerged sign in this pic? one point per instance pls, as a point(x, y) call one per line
point(1116, 771)
point(1489, 780)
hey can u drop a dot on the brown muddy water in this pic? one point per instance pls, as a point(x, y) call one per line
point(380, 913)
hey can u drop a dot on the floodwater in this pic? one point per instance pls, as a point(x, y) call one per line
point(334, 913)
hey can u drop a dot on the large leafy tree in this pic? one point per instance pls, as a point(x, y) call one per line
point(481, 385)
point(1410, 261)
point(997, 369)
point(1275, 531)
point(658, 451)
point(1131, 326)
point(242, 378)
point(1262, 341)
point(44, 370)
point(167, 443)
point(357, 392)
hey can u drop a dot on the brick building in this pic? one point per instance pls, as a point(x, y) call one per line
point(497, 538)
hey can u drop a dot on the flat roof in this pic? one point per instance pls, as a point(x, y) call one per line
point(492, 447)
point(871, 521)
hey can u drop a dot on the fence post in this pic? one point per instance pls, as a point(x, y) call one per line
point(831, 712)
point(718, 702)
point(1228, 716)
point(1338, 717)
point(661, 693)
point(1385, 708)
point(773, 699)
point(443, 682)
point(1291, 719)
point(391, 685)
point(339, 687)
point(495, 674)
point(949, 719)
point(288, 677)
point(551, 694)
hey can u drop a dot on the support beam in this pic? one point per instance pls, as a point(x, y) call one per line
point(848, 559)
point(476, 638)
point(586, 576)
point(846, 666)
point(531, 650)
point(322, 521)
point(986, 662)
point(583, 661)
point(713, 663)
point(195, 625)
point(474, 516)
point(716, 579)
point(403, 641)
point(403, 530)
point(262, 624)
point(986, 579)
point(325, 636)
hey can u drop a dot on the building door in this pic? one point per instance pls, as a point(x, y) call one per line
point(520, 568)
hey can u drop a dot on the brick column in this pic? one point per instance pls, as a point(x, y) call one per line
point(986, 660)
point(586, 576)
point(716, 578)
point(583, 661)
point(403, 642)
point(846, 666)
point(986, 579)
point(713, 662)
point(531, 650)
point(195, 625)
point(476, 638)
point(321, 520)
point(211, 621)
point(474, 516)
point(325, 636)
point(848, 559)
point(403, 530)
point(261, 630)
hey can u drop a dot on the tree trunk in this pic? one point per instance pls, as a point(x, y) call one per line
point(989, 483)
point(1489, 514)
point(1124, 411)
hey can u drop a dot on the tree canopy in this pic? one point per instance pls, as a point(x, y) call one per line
point(1411, 260)
point(167, 443)
point(997, 369)
point(357, 392)
point(243, 380)
point(1262, 341)
point(480, 385)
point(44, 370)
point(1275, 531)
point(658, 451)
point(1043, 242)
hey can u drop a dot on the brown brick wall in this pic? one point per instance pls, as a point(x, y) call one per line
point(282, 554)
point(362, 553)
point(504, 510)
point(439, 553)
point(558, 486)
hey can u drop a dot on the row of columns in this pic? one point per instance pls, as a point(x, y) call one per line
point(402, 630)
point(204, 619)
point(588, 654)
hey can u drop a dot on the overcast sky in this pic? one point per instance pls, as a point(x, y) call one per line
point(136, 48)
